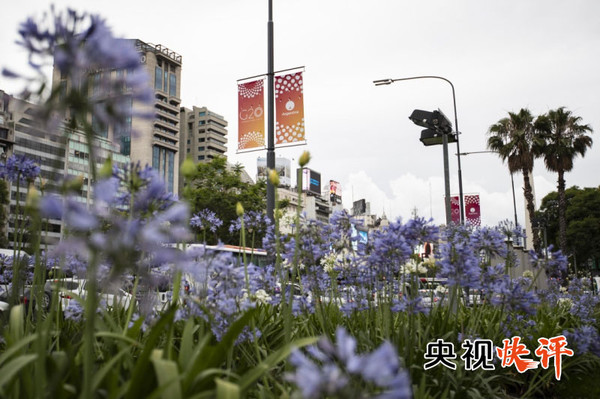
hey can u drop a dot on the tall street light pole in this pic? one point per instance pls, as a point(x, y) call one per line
point(460, 186)
point(271, 114)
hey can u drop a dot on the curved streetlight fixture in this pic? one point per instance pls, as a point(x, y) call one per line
point(382, 82)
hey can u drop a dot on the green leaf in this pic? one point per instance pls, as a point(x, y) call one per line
point(227, 390)
point(214, 355)
point(271, 361)
point(167, 375)
point(187, 344)
point(138, 384)
point(12, 369)
point(14, 348)
point(100, 374)
point(16, 323)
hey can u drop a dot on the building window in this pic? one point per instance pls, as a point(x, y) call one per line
point(200, 157)
point(201, 139)
point(96, 83)
point(100, 128)
point(202, 113)
point(158, 78)
point(155, 157)
point(171, 171)
point(123, 131)
point(172, 85)
point(166, 78)
point(200, 148)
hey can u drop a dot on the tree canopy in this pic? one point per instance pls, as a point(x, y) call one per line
point(583, 223)
point(218, 187)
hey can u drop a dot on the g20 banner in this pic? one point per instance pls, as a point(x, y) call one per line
point(251, 115)
point(289, 109)
point(455, 209)
point(472, 210)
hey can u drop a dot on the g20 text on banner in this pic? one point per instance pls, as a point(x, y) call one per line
point(251, 115)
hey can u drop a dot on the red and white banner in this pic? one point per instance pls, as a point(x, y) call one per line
point(289, 109)
point(455, 209)
point(251, 115)
point(472, 210)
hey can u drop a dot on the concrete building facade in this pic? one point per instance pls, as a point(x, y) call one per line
point(61, 155)
point(152, 141)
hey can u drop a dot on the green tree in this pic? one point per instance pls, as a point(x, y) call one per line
point(514, 138)
point(564, 137)
point(582, 220)
point(219, 187)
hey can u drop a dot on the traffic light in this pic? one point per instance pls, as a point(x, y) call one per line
point(436, 125)
point(433, 137)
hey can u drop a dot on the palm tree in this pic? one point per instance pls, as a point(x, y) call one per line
point(513, 139)
point(564, 137)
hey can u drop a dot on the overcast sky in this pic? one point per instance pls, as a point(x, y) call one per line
point(501, 56)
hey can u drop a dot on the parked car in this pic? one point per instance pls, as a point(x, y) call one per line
point(3, 307)
point(25, 297)
point(71, 288)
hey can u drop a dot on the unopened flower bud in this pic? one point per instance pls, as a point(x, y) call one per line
point(274, 177)
point(107, 169)
point(33, 197)
point(304, 159)
point(239, 209)
point(187, 168)
point(74, 184)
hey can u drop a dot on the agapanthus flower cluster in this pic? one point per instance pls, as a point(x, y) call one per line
point(74, 311)
point(220, 289)
point(515, 295)
point(459, 258)
point(206, 220)
point(254, 222)
point(19, 168)
point(78, 45)
point(312, 246)
point(554, 263)
point(584, 339)
point(335, 370)
point(392, 246)
point(583, 302)
point(490, 242)
point(130, 245)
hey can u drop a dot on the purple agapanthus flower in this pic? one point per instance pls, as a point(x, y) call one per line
point(104, 72)
point(254, 221)
point(460, 260)
point(555, 263)
point(206, 220)
point(584, 339)
point(19, 168)
point(74, 311)
point(328, 369)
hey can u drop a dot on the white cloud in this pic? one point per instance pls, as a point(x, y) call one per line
point(410, 193)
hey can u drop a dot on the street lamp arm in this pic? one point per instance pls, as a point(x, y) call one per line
point(477, 152)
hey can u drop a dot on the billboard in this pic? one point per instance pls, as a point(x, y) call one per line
point(335, 192)
point(359, 207)
point(283, 166)
point(311, 181)
point(359, 235)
